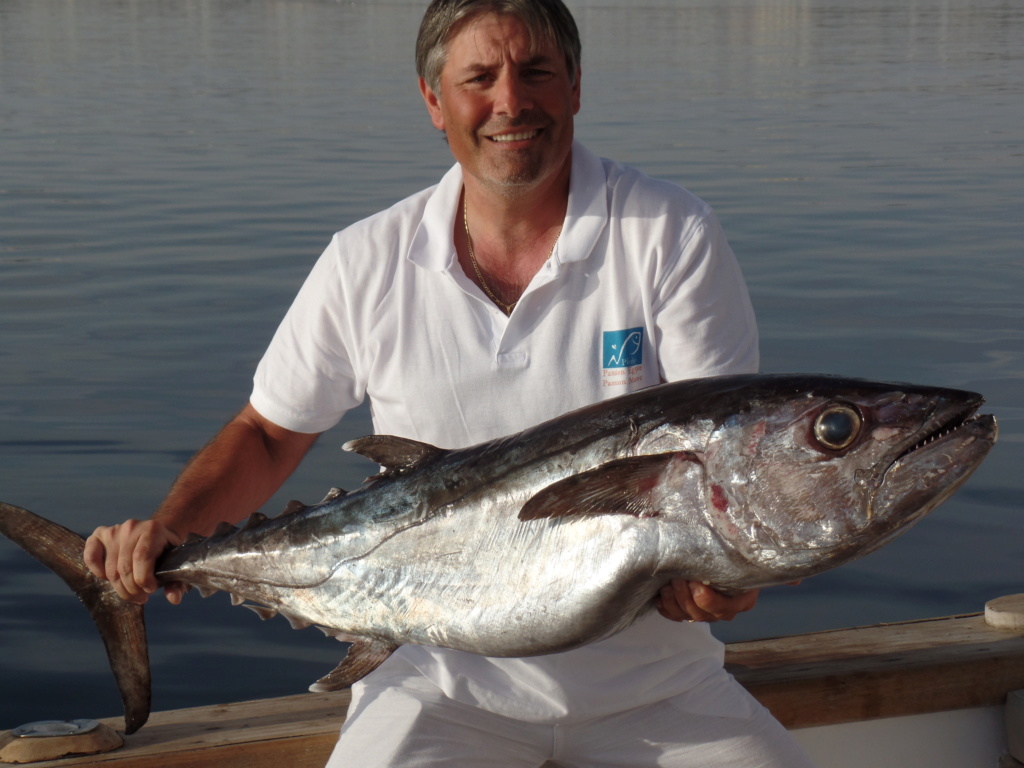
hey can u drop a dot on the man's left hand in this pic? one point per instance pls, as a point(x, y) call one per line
point(682, 600)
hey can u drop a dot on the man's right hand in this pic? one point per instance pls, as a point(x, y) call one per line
point(229, 479)
point(126, 556)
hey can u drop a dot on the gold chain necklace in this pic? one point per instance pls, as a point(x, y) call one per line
point(506, 308)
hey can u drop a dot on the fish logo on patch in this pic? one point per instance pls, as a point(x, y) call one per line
point(623, 349)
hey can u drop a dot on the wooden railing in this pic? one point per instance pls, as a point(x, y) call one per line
point(805, 680)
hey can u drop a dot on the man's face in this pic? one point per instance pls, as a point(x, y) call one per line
point(506, 108)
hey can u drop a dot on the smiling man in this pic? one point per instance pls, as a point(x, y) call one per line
point(506, 104)
point(533, 279)
point(507, 107)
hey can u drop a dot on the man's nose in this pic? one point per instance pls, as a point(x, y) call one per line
point(511, 95)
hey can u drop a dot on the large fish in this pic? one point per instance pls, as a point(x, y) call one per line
point(561, 535)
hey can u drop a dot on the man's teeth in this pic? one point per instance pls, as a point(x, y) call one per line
point(515, 136)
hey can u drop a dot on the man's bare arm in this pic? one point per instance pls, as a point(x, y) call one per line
point(242, 467)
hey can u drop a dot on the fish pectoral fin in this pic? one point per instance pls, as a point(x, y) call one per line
point(395, 453)
point(620, 487)
point(364, 656)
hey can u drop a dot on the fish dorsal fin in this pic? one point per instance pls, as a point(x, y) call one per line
point(398, 454)
point(364, 656)
point(624, 487)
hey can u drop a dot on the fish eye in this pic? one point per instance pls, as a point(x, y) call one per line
point(837, 427)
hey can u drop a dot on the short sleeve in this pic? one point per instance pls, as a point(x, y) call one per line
point(704, 320)
point(306, 380)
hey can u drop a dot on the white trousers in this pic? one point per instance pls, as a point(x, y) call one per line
point(415, 725)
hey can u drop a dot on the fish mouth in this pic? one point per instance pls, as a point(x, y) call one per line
point(964, 423)
point(928, 471)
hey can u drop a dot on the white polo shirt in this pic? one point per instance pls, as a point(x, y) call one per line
point(641, 287)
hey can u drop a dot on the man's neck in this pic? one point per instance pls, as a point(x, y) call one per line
point(506, 221)
point(504, 238)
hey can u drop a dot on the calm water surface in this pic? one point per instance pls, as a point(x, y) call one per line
point(170, 169)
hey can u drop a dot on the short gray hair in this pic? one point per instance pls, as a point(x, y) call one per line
point(545, 19)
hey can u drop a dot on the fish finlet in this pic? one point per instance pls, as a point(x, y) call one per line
point(333, 494)
point(255, 519)
point(297, 622)
point(262, 611)
point(292, 507)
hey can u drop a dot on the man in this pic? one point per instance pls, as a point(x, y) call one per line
point(533, 279)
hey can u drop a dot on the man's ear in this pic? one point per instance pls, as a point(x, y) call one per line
point(433, 105)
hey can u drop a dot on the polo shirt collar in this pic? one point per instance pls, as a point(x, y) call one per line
point(585, 217)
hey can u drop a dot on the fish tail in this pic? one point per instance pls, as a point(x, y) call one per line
point(121, 624)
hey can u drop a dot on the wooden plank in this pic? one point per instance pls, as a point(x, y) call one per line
point(805, 680)
point(297, 731)
point(881, 671)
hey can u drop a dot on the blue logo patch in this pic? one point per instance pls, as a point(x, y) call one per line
point(623, 349)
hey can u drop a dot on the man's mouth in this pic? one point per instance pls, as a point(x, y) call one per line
point(510, 137)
